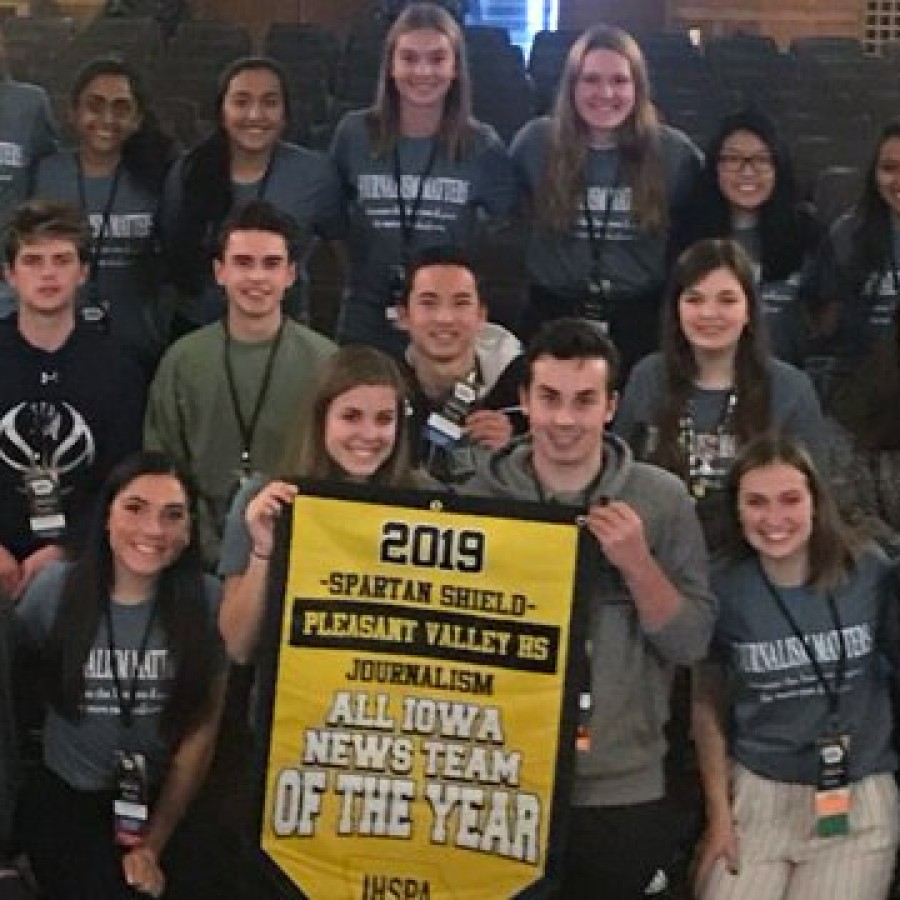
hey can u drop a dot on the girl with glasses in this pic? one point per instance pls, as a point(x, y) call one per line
point(746, 192)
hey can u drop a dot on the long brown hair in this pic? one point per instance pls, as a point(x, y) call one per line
point(350, 367)
point(833, 548)
point(638, 140)
point(384, 114)
point(751, 377)
point(181, 609)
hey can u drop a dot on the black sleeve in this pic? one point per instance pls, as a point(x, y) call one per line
point(125, 397)
point(505, 394)
point(819, 288)
point(126, 425)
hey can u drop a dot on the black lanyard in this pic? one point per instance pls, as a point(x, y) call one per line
point(408, 222)
point(248, 429)
point(98, 242)
point(586, 663)
point(688, 436)
point(585, 680)
point(126, 710)
point(598, 241)
point(832, 691)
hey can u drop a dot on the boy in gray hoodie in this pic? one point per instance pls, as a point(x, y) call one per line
point(650, 607)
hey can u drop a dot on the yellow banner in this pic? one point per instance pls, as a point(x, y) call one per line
point(414, 744)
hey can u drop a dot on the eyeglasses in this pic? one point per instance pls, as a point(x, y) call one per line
point(733, 162)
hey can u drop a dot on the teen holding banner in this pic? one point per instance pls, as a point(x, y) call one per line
point(650, 606)
point(801, 799)
point(356, 431)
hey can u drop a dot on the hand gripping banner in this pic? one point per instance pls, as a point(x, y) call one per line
point(416, 712)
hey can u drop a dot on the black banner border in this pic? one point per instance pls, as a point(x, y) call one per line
point(547, 883)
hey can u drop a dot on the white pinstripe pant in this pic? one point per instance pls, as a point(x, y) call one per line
point(782, 858)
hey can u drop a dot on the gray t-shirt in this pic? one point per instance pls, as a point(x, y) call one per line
point(454, 195)
point(83, 752)
point(794, 404)
point(300, 182)
point(778, 707)
point(866, 301)
point(633, 260)
point(27, 133)
point(128, 258)
point(882, 288)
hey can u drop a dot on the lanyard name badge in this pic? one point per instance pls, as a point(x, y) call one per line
point(586, 663)
point(94, 310)
point(40, 481)
point(131, 803)
point(445, 427)
point(832, 799)
point(247, 428)
point(597, 302)
point(704, 451)
point(408, 219)
point(585, 702)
